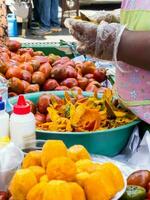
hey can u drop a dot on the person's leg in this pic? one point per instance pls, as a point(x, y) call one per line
point(45, 22)
point(54, 15)
point(36, 10)
point(45, 8)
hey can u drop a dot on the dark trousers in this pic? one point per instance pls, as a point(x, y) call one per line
point(36, 11)
point(47, 11)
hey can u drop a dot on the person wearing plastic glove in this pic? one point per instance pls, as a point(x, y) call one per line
point(128, 44)
point(3, 22)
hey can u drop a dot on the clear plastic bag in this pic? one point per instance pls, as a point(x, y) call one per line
point(10, 160)
point(141, 157)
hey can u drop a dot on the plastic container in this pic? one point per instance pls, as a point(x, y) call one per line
point(12, 25)
point(109, 142)
point(22, 123)
point(4, 122)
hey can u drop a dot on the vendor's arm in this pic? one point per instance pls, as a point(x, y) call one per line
point(134, 48)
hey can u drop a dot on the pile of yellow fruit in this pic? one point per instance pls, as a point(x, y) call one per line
point(58, 173)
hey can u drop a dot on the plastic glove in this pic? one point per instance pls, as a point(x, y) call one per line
point(20, 9)
point(96, 40)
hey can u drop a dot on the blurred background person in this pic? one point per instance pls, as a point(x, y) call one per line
point(36, 11)
point(48, 16)
point(36, 15)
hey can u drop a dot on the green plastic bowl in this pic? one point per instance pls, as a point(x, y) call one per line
point(108, 142)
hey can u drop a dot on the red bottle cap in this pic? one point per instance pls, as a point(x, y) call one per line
point(22, 107)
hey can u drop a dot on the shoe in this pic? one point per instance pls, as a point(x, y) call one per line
point(35, 26)
point(56, 29)
point(41, 32)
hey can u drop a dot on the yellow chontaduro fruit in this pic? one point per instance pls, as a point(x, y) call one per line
point(37, 192)
point(86, 166)
point(57, 190)
point(77, 191)
point(81, 177)
point(115, 171)
point(61, 168)
point(53, 149)
point(31, 159)
point(38, 171)
point(44, 178)
point(78, 152)
point(98, 187)
point(21, 183)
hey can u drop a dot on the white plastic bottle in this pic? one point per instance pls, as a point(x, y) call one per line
point(22, 124)
point(4, 122)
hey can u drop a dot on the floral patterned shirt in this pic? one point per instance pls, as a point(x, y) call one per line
point(133, 83)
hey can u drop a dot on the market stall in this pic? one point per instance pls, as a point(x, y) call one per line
point(64, 133)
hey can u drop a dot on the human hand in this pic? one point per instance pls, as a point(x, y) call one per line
point(85, 33)
point(95, 40)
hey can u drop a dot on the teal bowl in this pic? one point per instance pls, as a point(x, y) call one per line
point(107, 142)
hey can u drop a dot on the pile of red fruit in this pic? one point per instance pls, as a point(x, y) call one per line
point(30, 71)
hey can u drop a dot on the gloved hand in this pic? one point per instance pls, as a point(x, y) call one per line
point(96, 40)
point(20, 9)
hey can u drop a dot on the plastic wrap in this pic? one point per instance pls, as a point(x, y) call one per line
point(10, 159)
point(141, 156)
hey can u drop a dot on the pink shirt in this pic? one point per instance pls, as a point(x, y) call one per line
point(133, 83)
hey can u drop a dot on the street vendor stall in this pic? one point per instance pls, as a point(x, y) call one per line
point(64, 133)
